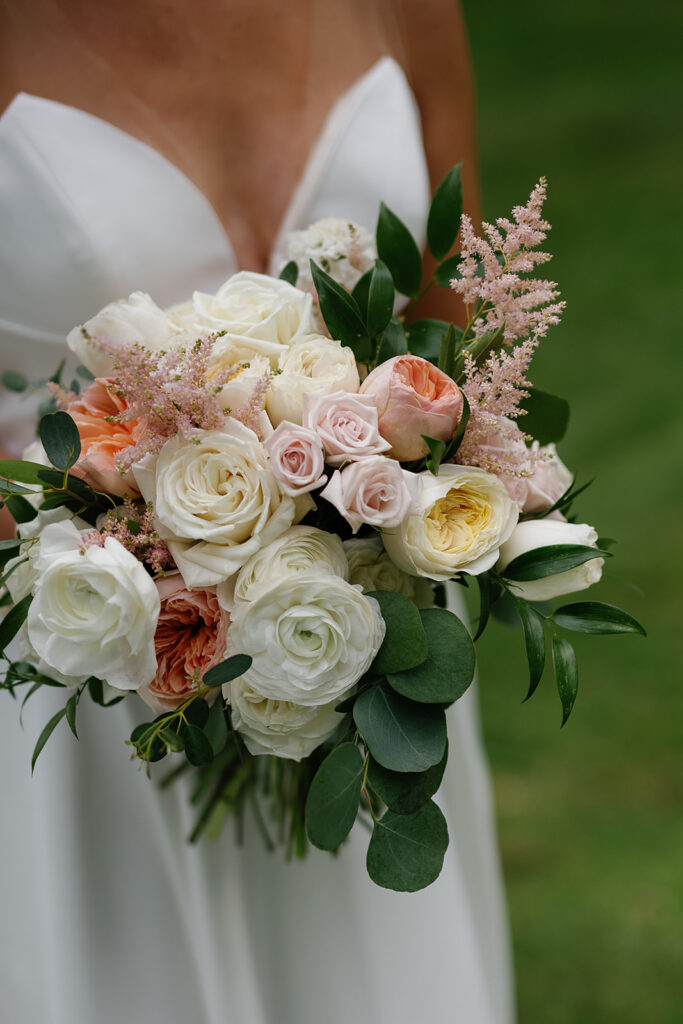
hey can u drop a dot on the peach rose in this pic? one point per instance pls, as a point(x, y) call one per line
point(102, 440)
point(413, 398)
point(190, 639)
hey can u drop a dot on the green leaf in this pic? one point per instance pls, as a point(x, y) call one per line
point(71, 707)
point(197, 712)
point(14, 381)
point(485, 589)
point(45, 735)
point(400, 734)
point(14, 620)
point(443, 222)
point(549, 561)
point(392, 342)
point(290, 273)
point(424, 337)
point(24, 472)
point(447, 351)
point(406, 792)
point(216, 728)
point(84, 372)
point(227, 670)
point(596, 617)
point(380, 299)
point(22, 510)
point(12, 545)
point(437, 450)
point(566, 674)
point(332, 801)
point(406, 851)
point(197, 747)
point(398, 249)
point(341, 314)
point(449, 668)
point(534, 639)
point(60, 439)
point(405, 641)
point(547, 416)
point(55, 478)
point(478, 348)
point(446, 271)
point(361, 292)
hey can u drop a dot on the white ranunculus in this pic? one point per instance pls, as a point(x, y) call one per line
point(311, 637)
point(344, 250)
point(94, 612)
point(136, 320)
point(465, 515)
point(280, 727)
point(216, 501)
point(300, 549)
point(539, 533)
point(371, 568)
point(313, 363)
point(260, 314)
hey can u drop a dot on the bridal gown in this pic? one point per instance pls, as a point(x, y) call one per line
point(107, 914)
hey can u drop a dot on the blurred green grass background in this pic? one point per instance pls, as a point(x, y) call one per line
point(591, 818)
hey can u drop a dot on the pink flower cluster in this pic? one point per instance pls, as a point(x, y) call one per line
point(132, 525)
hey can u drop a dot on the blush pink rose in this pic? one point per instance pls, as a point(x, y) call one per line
point(190, 639)
point(296, 458)
point(345, 423)
point(413, 398)
point(374, 490)
point(547, 476)
point(102, 440)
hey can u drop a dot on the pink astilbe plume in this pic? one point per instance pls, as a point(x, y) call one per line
point(132, 525)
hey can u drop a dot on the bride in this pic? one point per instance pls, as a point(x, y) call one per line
point(161, 146)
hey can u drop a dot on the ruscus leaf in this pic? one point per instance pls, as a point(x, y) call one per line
point(398, 249)
point(534, 639)
point(380, 299)
point(546, 416)
point(290, 273)
point(424, 337)
point(13, 621)
point(596, 617)
point(549, 561)
point(341, 314)
point(566, 674)
point(443, 222)
point(45, 735)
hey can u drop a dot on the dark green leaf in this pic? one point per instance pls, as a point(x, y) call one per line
point(197, 712)
point(290, 273)
point(484, 584)
point(22, 511)
point(477, 349)
point(406, 792)
point(45, 735)
point(566, 674)
point(173, 740)
point(547, 416)
point(96, 691)
point(449, 668)
point(596, 617)
point(449, 269)
point(332, 802)
point(406, 851)
point(142, 733)
point(565, 500)
point(424, 338)
point(227, 670)
point(549, 561)
point(447, 351)
point(24, 472)
point(456, 440)
point(57, 375)
point(55, 478)
point(341, 314)
point(398, 249)
point(71, 707)
point(443, 222)
point(60, 439)
point(14, 381)
point(393, 342)
point(534, 639)
point(76, 386)
point(216, 728)
point(400, 734)
point(361, 292)
point(14, 620)
point(380, 299)
point(197, 747)
point(84, 372)
point(437, 450)
point(405, 642)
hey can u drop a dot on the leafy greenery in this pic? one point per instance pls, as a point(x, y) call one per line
point(405, 641)
point(398, 249)
point(406, 851)
point(550, 560)
point(60, 439)
point(405, 792)
point(449, 667)
point(401, 735)
point(546, 417)
point(443, 222)
point(332, 802)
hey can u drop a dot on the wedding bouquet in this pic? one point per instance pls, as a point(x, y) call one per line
point(248, 515)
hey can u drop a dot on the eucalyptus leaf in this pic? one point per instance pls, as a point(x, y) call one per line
point(546, 416)
point(566, 674)
point(290, 273)
point(24, 472)
point(332, 801)
point(14, 620)
point(60, 439)
point(398, 249)
point(197, 712)
point(596, 617)
point(406, 851)
point(380, 299)
point(405, 642)
point(405, 792)
point(45, 735)
point(401, 735)
point(227, 670)
point(534, 639)
point(22, 511)
point(341, 314)
point(449, 668)
point(443, 222)
point(550, 560)
point(197, 747)
point(216, 728)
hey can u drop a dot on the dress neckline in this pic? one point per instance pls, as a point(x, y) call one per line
point(337, 117)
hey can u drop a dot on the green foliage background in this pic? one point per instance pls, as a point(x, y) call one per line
point(590, 818)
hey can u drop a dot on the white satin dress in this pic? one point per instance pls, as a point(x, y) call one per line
point(106, 914)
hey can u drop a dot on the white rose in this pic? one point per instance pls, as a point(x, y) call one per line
point(136, 320)
point(300, 549)
point(259, 313)
point(374, 490)
point(465, 515)
point(280, 727)
point(310, 636)
point(238, 392)
point(216, 501)
point(344, 250)
point(313, 363)
point(345, 423)
point(539, 533)
point(371, 568)
point(94, 612)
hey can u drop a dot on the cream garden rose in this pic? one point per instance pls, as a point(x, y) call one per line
point(313, 363)
point(540, 533)
point(465, 515)
point(216, 501)
point(280, 727)
point(371, 568)
point(300, 549)
point(310, 636)
point(136, 320)
point(94, 611)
